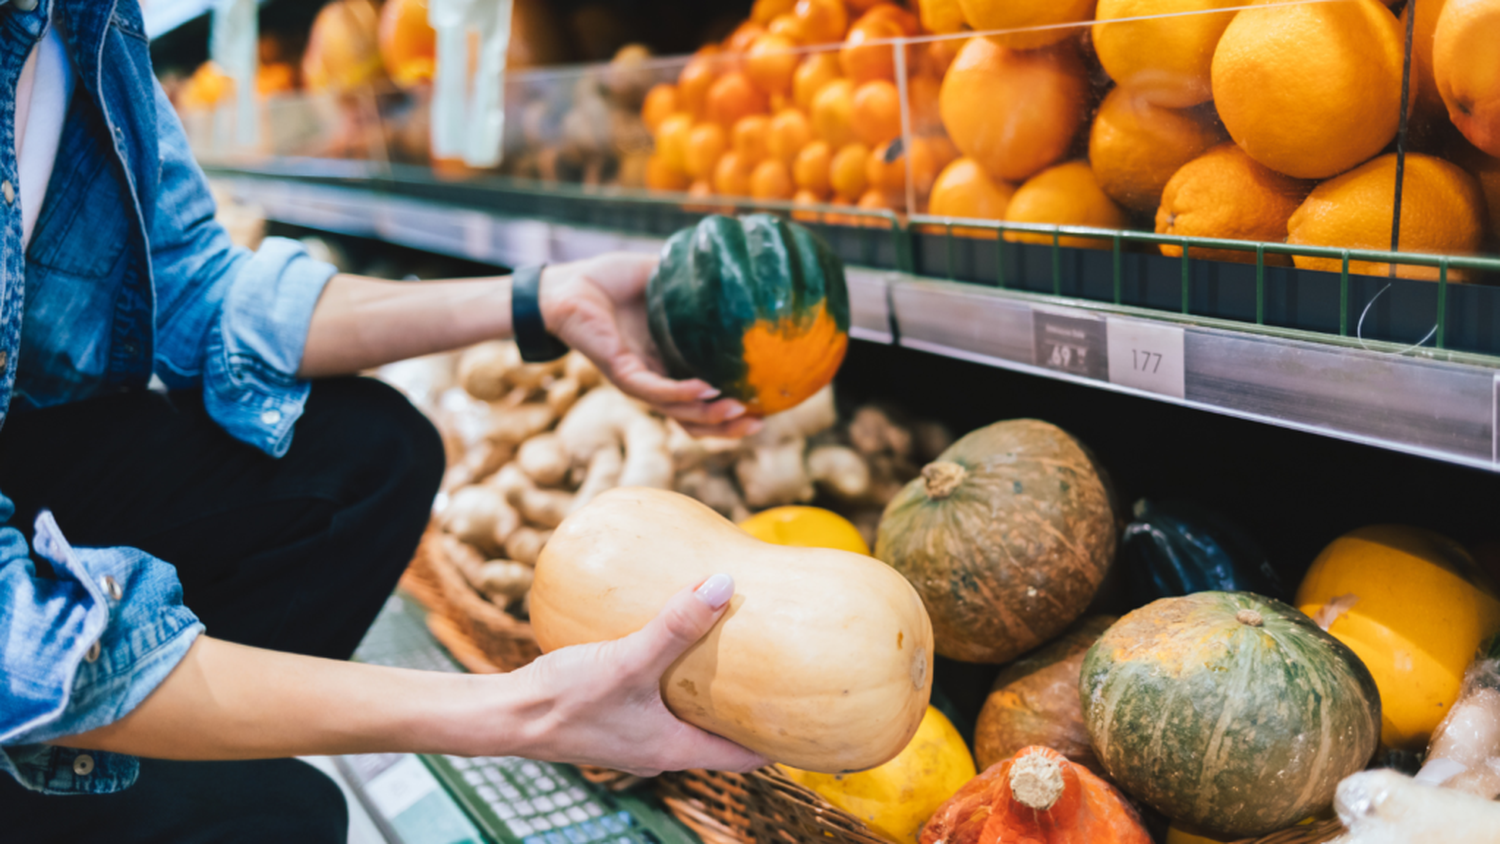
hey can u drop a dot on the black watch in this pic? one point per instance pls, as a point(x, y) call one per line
point(537, 345)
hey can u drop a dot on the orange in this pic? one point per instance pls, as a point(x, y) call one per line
point(275, 78)
point(815, 72)
point(833, 113)
point(887, 173)
point(885, 10)
point(672, 140)
point(661, 175)
point(342, 51)
point(1135, 146)
point(700, 188)
point(789, 133)
point(771, 180)
point(939, 55)
point(693, 82)
point(704, 146)
point(1441, 212)
point(765, 11)
point(1068, 195)
point(1017, 14)
point(752, 138)
point(1310, 90)
point(823, 21)
point(771, 63)
point(1165, 60)
point(876, 112)
point(408, 44)
point(943, 151)
point(810, 170)
point(788, 27)
point(803, 196)
point(964, 189)
point(846, 173)
point(941, 16)
point(873, 200)
point(743, 36)
point(1426, 99)
point(1486, 169)
point(1466, 65)
point(732, 97)
point(1014, 112)
point(1225, 193)
point(661, 101)
point(922, 93)
point(732, 176)
point(863, 61)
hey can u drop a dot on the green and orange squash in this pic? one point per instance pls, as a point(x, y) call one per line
point(756, 306)
point(1227, 711)
point(1006, 536)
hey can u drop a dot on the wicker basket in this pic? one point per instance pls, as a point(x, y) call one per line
point(766, 807)
point(506, 641)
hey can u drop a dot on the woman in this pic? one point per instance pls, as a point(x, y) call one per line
point(236, 509)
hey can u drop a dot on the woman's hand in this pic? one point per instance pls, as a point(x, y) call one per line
point(601, 704)
point(598, 306)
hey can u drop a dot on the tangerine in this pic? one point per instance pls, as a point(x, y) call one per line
point(941, 16)
point(1441, 213)
point(672, 140)
point(1135, 146)
point(408, 44)
point(863, 61)
point(661, 175)
point(732, 176)
point(765, 11)
point(811, 168)
point(1163, 49)
point(1466, 66)
point(1310, 90)
point(813, 74)
point(1068, 195)
point(732, 97)
point(964, 189)
point(771, 63)
point(704, 146)
point(693, 82)
point(876, 112)
point(823, 21)
point(1486, 169)
point(771, 180)
point(1225, 193)
point(789, 133)
point(846, 172)
point(660, 103)
point(886, 171)
point(788, 27)
point(922, 95)
point(1025, 14)
point(833, 113)
point(743, 36)
point(1014, 112)
point(752, 138)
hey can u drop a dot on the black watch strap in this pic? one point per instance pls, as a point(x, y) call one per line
point(532, 338)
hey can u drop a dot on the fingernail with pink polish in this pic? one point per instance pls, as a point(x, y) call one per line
point(753, 427)
point(716, 590)
point(733, 410)
point(709, 394)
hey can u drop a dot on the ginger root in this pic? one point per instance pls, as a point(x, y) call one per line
point(561, 394)
point(526, 543)
point(840, 471)
point(773, 475)
point(516, 425)
point(544, 459)
point(647, 460)
point(483, 369)
point(503, 581)
point(716, 490)
point(603, 474)
point(474, 513)
point(581, 369)
point(813, 416)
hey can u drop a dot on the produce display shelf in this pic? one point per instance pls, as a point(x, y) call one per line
point(1418, 399)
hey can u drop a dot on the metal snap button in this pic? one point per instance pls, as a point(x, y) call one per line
point(83, 764)
point(9, 190)
point(271, 417)
point(111, 588)
point(93, 654)
point(25, 5)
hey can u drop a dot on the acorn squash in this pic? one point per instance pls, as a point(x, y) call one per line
point(756, 306)
point(1173, 548)
point(823, 660)
point(1227, 711)
point(1407, 602)
point(1035, 701)
point(1007, 536)
point(810, 527)
point(896, 798)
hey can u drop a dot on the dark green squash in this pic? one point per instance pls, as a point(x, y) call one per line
point(755, 306)
point(1173, 548)
point(1006, 536)
point(1228, 711)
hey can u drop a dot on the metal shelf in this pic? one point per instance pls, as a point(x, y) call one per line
point(1440, 405)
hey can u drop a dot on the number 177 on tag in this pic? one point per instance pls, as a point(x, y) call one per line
point(1146, 356)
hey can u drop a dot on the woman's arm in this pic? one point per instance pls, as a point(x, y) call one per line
point(596, 306)
point(595, 704)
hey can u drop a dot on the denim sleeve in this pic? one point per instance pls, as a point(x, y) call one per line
point(229, 320)
point(79, 650)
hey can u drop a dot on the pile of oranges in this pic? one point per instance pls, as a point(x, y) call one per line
point(1275, 123)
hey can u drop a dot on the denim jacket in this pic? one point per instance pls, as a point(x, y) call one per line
point(127, 276)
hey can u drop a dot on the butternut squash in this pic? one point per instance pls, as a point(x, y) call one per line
point(823, 660)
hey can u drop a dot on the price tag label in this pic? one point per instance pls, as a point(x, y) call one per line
point(1068, 343)
point(1146, 356)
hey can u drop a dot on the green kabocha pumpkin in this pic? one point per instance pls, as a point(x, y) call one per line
point(1006, 536)
point(755, 306)
point(1230, 712)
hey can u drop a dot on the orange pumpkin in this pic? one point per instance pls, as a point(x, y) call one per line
point(1036, 797)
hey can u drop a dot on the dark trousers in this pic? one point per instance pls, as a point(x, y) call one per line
point(296, 554)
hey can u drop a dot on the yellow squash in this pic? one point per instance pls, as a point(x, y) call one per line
point(1413, 613)
point(896, 798)
point(808, 527)
point(823, 660)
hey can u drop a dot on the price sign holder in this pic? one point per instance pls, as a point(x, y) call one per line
point(1147, 356)
point(1073, 343)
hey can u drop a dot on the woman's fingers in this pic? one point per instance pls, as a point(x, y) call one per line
point(744, 426)
point(685, 619)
